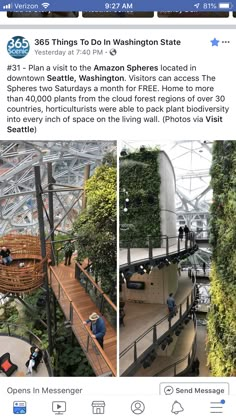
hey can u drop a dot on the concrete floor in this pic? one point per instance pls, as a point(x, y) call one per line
point(140, 316)
point(19, 352)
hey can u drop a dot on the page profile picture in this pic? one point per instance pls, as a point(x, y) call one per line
point(18, 47)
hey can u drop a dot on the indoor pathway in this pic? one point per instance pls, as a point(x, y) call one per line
point(140, 316)
point(77, 305)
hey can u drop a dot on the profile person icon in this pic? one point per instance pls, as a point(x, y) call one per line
point(137, 407)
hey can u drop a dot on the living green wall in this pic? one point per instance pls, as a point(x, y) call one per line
point(96, 225)
point(140, 178)
point(222, 316)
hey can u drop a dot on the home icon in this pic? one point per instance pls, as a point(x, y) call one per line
point(98, 407)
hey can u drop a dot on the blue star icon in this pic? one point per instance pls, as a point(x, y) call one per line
point(214, 42)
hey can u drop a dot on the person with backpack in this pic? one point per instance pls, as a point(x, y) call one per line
point(68, 251)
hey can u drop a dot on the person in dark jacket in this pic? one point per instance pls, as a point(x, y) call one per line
point(181, 233)
point(186, 231)
point(196, 367)
point(6, 255)
point(97, 326)
point(204, 268)
point(36, 354)
point(34, 359)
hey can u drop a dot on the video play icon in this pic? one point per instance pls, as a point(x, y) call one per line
point(58, 407)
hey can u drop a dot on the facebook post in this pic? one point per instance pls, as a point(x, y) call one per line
point(121, 85)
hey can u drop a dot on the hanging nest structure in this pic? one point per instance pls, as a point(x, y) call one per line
point(26, 272)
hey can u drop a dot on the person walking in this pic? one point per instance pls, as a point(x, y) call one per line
point(172, 308)
point(98, 327)
point(181, 233)
point(204, 268)
point(68, 251)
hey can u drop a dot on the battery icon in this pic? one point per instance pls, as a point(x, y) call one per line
point(225, 6)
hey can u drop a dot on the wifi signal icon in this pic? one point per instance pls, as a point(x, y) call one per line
point(45, 5)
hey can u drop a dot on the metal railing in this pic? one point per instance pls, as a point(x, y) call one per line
point(181, 366)
point(154, 335)
point(23, 333)
point(104, 304)
point(153, 248)
point(94, 353)
point(202, 234)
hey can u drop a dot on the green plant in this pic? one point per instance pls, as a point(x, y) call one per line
point(140, 184)
point(96, 226)
point(222, 316)
point(71, 361)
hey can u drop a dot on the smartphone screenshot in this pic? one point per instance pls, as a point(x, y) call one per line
point(117, 209)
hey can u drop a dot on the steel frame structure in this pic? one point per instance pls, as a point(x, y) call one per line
point(70, 161)
point(191, 161)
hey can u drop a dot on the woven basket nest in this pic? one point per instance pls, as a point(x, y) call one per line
point(22, 278)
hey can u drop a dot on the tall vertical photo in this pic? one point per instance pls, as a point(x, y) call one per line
point(58, 270)
point(177, 259)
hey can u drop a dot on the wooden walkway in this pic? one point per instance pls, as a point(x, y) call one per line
point(77, 305)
